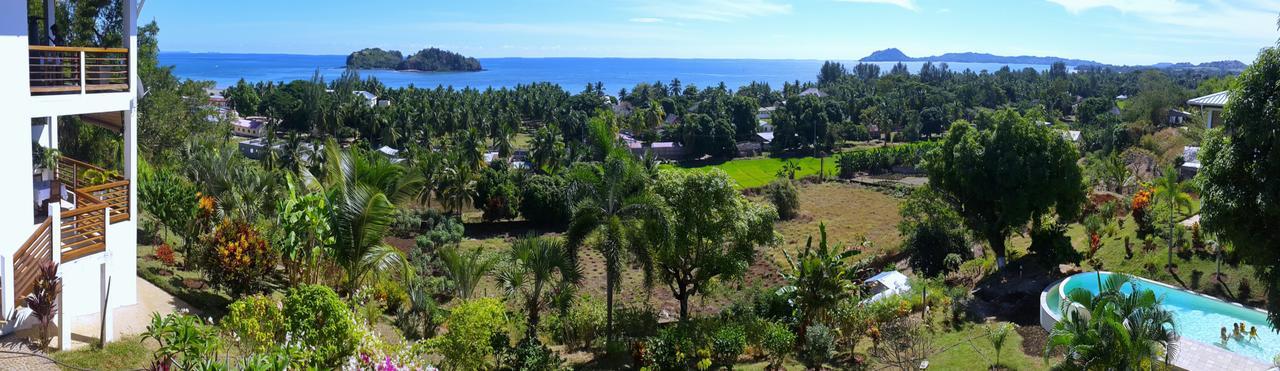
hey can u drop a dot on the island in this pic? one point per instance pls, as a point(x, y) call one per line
point(430, 59)
point(895, 55)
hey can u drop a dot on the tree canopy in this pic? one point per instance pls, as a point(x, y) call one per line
point(1001, 177)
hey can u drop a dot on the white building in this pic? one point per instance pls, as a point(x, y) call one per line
point(1211, 107)
point(88, 229)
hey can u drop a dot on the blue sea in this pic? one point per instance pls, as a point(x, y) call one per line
point(570, 73)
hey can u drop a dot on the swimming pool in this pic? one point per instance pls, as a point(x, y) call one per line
point(1197, 317)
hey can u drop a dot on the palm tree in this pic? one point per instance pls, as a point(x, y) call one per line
point(362, 215)
point(537, 262)
point(1168, 188)
point(457, 182)
point(427, 168)
point(818, 278)
point(1117, 329)
point(612, 204)
point(465, 270)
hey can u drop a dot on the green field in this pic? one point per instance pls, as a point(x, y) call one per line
point(758, 171)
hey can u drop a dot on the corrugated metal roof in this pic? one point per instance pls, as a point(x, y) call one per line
point(1218, 99)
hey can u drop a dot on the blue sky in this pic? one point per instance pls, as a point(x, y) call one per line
point(1108, 31)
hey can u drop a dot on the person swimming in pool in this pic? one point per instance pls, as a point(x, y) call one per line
point(1235, 330)
point(1223, 333)
point(1253, 333)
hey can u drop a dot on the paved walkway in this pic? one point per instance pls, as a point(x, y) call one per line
point(85, 330)
point(1195, 356)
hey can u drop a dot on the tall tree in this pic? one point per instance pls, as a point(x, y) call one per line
point(1001, 178)
point(712, 235)
point(612, 203)
point(1241, 195)
point(1173, 192)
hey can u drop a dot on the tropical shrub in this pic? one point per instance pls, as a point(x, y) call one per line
point(580, 325)
point(239, 258)
point(819, 344)
point(164, 254)
point(440, 230)
point(466, 346)
point(1051, 243)
point(785, 198)
point(43, 299)
point(778, 343)
point(529, 355)
point(316, 316)
point(256, 321)
point(673, 348)
point(496, 193)
point(543, 201)
point(728, 342)
point(1116, 329)
point(932, 231)
point(184, 342)
point(881, 159)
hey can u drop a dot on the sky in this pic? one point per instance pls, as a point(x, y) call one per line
point(1126, 32)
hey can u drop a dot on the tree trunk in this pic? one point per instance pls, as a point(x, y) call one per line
point(683, 297)
point(608, 310)
point(996, 240)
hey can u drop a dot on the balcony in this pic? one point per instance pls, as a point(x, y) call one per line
point(94, 189)
point(78, 70)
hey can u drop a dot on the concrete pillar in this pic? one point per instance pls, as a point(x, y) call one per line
point(6, 285)
point(108, 319)
point(53, 133)
point(55, 235)
point(49, 14)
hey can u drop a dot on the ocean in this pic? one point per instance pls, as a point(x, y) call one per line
point(570, 73)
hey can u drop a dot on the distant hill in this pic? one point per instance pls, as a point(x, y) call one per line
point(431, 59)
point(895, 55)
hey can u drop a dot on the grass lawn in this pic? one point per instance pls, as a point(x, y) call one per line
point(849, 211)
point(756, 172)
point(969, 348)
point(129, 353)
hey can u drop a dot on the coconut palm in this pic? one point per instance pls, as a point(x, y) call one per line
point(1121, 328)
point(613, 203)
point(536, 263)
point(465, 269)
point(1168, 188)
point(363, 213)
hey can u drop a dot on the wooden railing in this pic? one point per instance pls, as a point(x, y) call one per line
point(27, 260)
point(84, 229)
point(114, 194)
point(78, 70)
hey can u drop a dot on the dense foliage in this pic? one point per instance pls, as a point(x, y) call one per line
point(1240, 198)
point(431, 59)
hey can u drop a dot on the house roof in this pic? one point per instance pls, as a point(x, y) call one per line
point(813, 91)
point(1218, 100)
point(889, 279)
point(766, 136)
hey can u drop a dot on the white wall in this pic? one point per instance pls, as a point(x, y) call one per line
point(15, 125)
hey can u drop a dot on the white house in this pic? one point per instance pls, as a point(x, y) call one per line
point(1211, 107)
point(86, 226)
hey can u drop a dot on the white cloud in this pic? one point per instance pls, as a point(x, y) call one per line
point(712, 10)
point(1251, 20)
point(905, 4)
point(646, 20)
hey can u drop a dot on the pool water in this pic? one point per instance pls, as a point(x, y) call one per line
point(1197, 317)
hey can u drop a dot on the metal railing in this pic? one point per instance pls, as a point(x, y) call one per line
point(78, 70)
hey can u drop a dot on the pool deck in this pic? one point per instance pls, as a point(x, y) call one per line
point(1196, 356)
